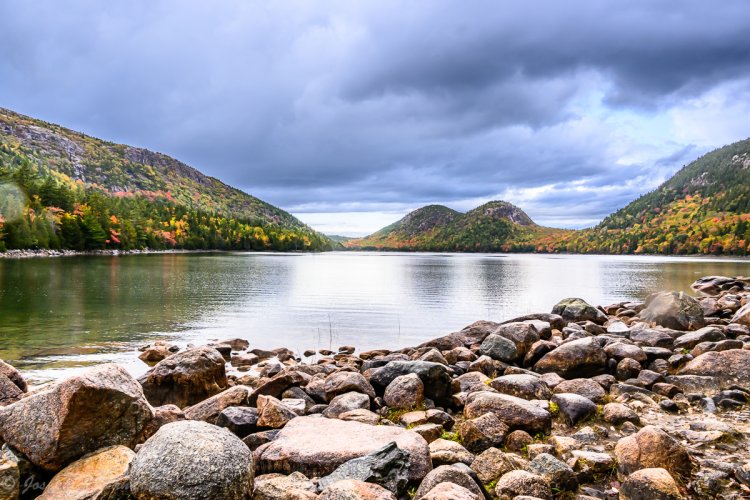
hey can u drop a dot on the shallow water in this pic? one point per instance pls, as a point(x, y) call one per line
point(59, 315)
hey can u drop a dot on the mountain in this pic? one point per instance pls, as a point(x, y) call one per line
point(64, 189)
point(494, 226)
point(703, 209)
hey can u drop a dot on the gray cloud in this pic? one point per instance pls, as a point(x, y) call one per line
point(333, 105)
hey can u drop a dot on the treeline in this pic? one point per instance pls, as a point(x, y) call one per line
point(44, 209)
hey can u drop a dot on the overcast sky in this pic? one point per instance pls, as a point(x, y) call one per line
point(350, 114)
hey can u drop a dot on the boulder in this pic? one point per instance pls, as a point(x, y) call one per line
point(185, 378)
point(583, 387)
point(316, 446)
point(102, 474)
point(575, 310)
point(343, 382)
point(522, 385)
point(386, 467)
point(280, 486)
point(153, 353)
point(651, 338)
point(446, 452)
point(650, 484)
point(447, 474)
point(10, 477)
point(434, 376)
point(514, 412)
point(742, 316)
point(675, 310)
point(554, 472)
point(192, 460)
point(726, 367)
point(9, 392)
point(351, 489)
point(209, 409)
point(273, 413)
point(652, 447)
point(498, 348)
point(279, 383)
point(618, 414)
point(347, 402)
point(240, 420)
point(492, 463)
point(450, 491)
point(573, 407)
point(578, 358)
point(14, 375)
point(405, 392)
point(621, 350)
point(103, 406)
point(480, 433)
point(692, 339)
point(523, 335)
point(521, 483)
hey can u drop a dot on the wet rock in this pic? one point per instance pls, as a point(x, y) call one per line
point(514, 412)
point(447, 474)
point(574, 310)
point(406, 391)
point(574, 408)
point(102, 474)
point(492, 463)
point(209, 409)
point(445, 452)
point(347, 402)
point(192, 459)
point(554, 472)
point(522, 386)
point(480, 433)
point(299, 447)
point(618, 414)
point(185, 378)
point(674, 310)
point(434, 376)
point(522, 334)
point(520, 482)
point(350, 489)
point(585, 387)
point(498, 348)
point(343, 382)
point(240, 420)
point(279, 486)
point(652, 447)
point(386, 467)
point(578, 358)
point(103, 406)
point(273, 413)
point(725, 367)
point(153, 353)
point(651, 484)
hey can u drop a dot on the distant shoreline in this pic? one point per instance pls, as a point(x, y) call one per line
point(39, 254)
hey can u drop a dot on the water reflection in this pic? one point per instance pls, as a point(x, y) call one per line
point(58, 314)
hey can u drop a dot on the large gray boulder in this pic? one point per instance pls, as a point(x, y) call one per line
point(192, 460)
point(186, 378)
point(577, 358)
point(674, 310)
point(103, 406)
point(316, 446)
point(575, 309)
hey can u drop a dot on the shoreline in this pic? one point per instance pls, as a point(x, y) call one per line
point(636, 399)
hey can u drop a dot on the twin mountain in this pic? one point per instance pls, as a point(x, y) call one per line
point(61, 189)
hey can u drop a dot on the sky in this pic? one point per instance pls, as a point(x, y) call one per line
point(350, 114)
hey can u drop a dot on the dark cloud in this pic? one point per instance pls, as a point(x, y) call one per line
point(357, 106)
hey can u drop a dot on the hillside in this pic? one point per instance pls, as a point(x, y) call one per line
point(494, 226)
point(703, 209)
point(64, 189)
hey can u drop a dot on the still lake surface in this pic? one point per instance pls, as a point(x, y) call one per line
point(62, 314)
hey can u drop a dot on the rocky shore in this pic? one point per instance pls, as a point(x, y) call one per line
point(29, 254)
point(637, 400)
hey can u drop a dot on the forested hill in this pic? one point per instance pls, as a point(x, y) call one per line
point(62, 189)
point(703, 209)
point(492, 227)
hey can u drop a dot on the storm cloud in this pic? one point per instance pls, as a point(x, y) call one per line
point(334, 109)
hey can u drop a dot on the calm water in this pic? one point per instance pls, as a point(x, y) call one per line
point(59, 315)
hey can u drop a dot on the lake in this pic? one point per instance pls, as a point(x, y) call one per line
point(58, 315)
